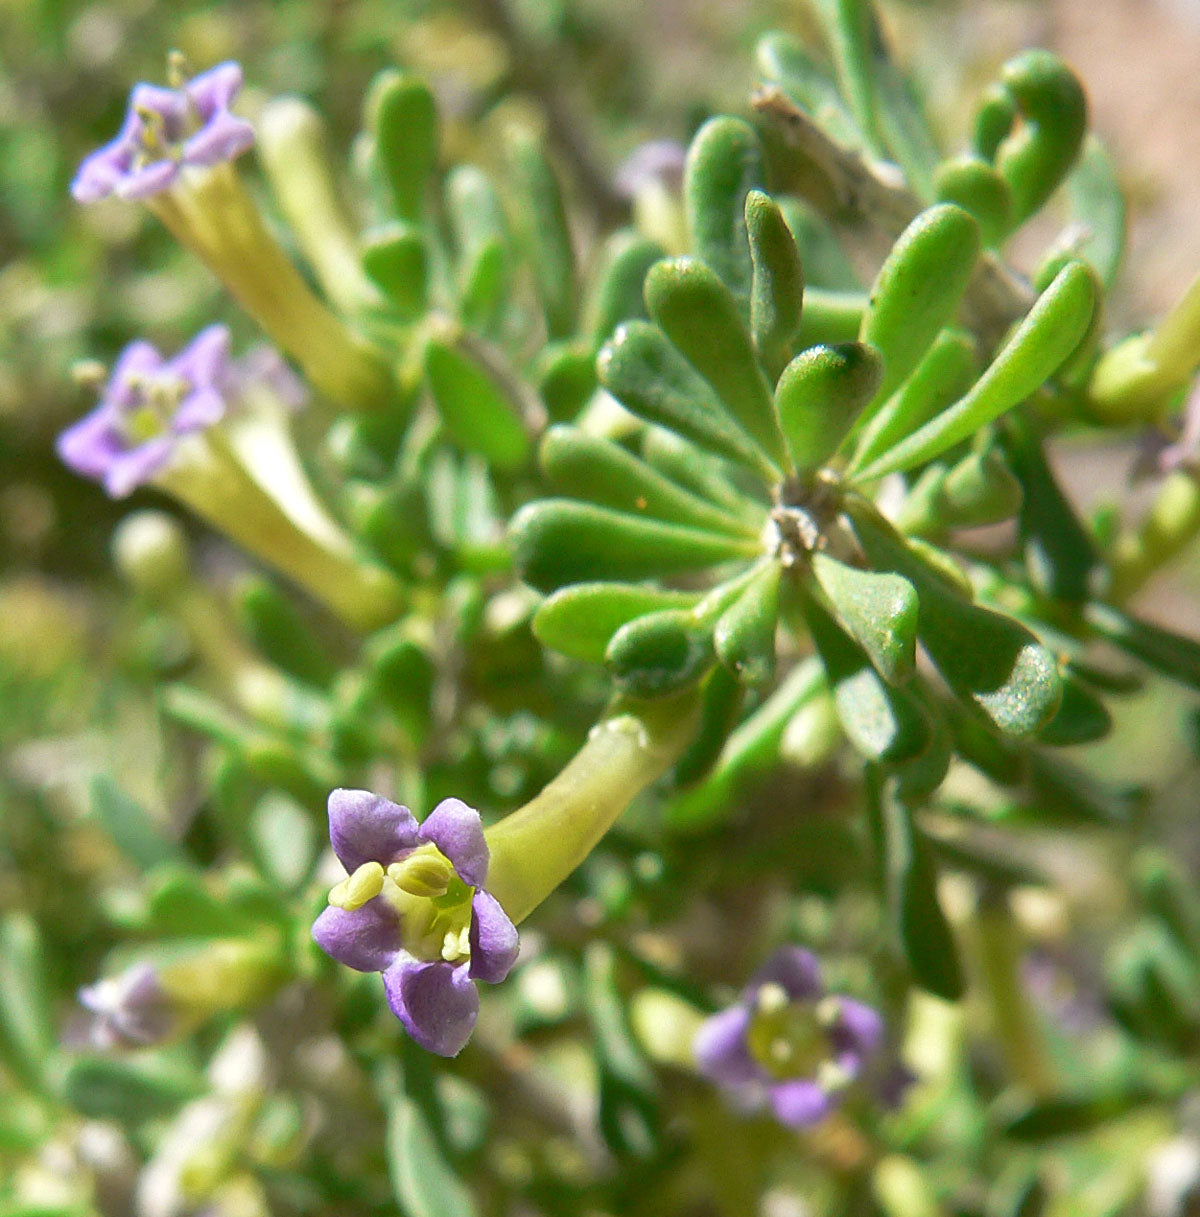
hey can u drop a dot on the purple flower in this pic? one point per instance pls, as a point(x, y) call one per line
point(788, 1046)
point(164, 130)
point(659, 160)
point(130, 1010)
point(148, 406)
point(413, 906)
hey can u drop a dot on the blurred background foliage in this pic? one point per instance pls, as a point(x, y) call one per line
point(79, 662)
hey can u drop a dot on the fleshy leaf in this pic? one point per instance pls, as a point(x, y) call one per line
point(724, 163)
point(744, 635)
point(481, 241)
point(644, 371)
point(659, 653)
point(397, 262)
point(820, 395)
point(878, 610)
point(700, 316)
point(986, 658)
point(1038, 347)
point(617, 294)
point(558, 541)
point(580, 620)
point(402, 117)
point(600, 471)
point(777, 286)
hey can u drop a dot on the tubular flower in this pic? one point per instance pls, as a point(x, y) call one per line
point(414, 907)
point(128, 1010)
point(149, 405)
point(787, 1045)
point(164, 131)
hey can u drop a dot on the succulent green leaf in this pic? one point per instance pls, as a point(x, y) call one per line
point(777, 285)
point(723, 698)
point(580, 620)
point(878, 610)
point(565, 376)
point(396, 260)
point(911, 881)
point(744, 636)
point(601, 471)
point(558, 542)
point(853, 36)
point(132, 829)
point(882, 722)
point(1037, 348)
point(473, 409)
point(1059, 552)
point(423, 1180)
point(402, 118)
point(1037, 154)
point(481, 242)
point(26, 1020)
point(703, 474)
point(988, 659)
point(945, 373)
point(1098, 207)
point(820, 396)
point(976, 186)
point(784, 60)
point(980, 489)
point(918, 289)
point(1163, 650)
point(647, 374)
point(700, 316)
point(724, 163)
point(1081, 719)
point(617, 292)
point(277, 629)
point(129, 1091)
point(545, 234)
point(830, 317)
point(660, 653)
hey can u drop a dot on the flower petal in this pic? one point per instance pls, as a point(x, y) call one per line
point(366, 827)
point(204, 362)
point(857, 1035)
point(197, 411)
point(151, 179)
point(129, 470)
point(494, 941)
point(223, 138)
point(215, 89)
point(457, 831)
point(720, 1049)
point(92, 444)
point(794, 969)
point(800, 1103)
point(436, 1002)
point(366, 939)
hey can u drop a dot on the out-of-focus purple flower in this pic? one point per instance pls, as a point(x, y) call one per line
point(660, 160)
point(147, 407)
point(262, 367)
point(130, 1010)
point(787, 1045)
point(414, 907)
point(165, 130)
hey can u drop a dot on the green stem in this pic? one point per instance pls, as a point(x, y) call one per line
point(536, 847)
point(214, 217)
point(1171, 524)
point(1013, 1020)
point(216, 486)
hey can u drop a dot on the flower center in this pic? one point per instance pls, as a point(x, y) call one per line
point(433, 903)
point(155, 400)
point(788, 1039)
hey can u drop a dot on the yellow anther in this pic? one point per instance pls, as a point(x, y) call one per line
point(831, 1077)
point(178, 71)
point(781, 1051)
point(772, 997)
point(828, 1011)
point(422, 874)
point(355, 890)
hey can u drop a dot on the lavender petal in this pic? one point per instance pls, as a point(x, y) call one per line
point(436, 1002)
point(493, 937)
point(366, 827)
point(129, 470)
point(215, 89)
point(720, 1049)
point(800, 1103)
point(366, 939)
point(457, 831)
point(794, 969)
point(858, 1033)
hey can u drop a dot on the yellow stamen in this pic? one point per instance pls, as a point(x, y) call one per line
point(355, 890)
point(422, 874)
point(772, 997)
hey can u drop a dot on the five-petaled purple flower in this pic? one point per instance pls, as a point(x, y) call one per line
point(413, 906)
point(148, 406)
point(129, 1010)
point(165, 130)
point(787, 1045)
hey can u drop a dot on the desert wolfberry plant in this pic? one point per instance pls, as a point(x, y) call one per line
point(644, 705)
